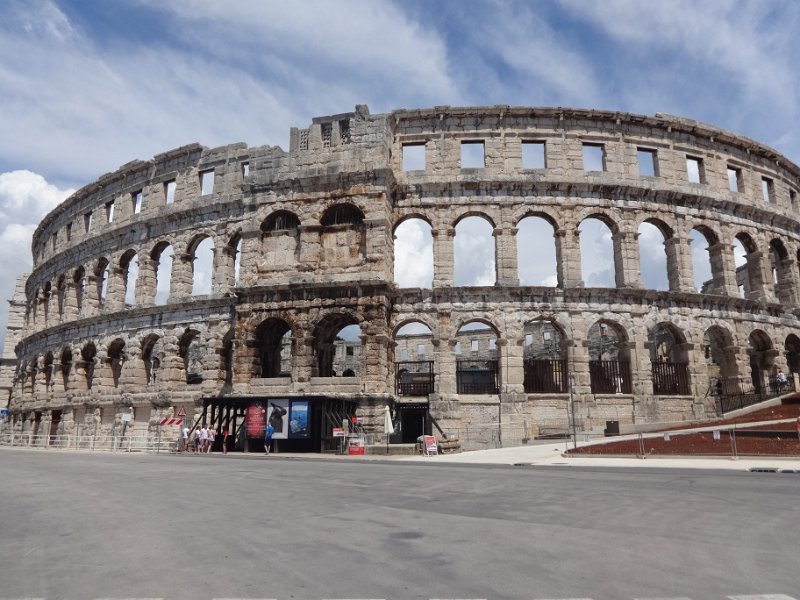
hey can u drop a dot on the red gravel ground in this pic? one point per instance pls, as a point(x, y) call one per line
point(764, 440)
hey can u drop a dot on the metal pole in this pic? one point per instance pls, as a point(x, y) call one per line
point(158, 442)
point(572, 406)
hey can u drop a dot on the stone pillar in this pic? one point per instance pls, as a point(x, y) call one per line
point(568, 258)
point(510, 358)
point(181, 280)
point(758, 274)
point(505, 243)
point(786, 289)
point(443, 258)
point(310, 247)
point(723, 270)
point(91, 297)
point(627, 269)
point(679, 264)
point(115, 290)
point(146, 285)
point(445, 353)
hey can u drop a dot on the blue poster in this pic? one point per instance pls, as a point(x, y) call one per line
point(298, 420)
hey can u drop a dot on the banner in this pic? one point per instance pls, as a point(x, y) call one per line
point(278, 417)
point(256, 420)
point(298, 420)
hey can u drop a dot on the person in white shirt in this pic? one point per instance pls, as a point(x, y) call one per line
point(185, 438)
point(204, 439)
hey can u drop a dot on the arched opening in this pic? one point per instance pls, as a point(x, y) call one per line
point(792, 347)
point(597, 253)
point(653, 255)
point(48, 370)
point(235, 251)
point(202, 266)
point(477, 364)
point(66, 365)
point(748, 278)
point(337, 345)
point(280, 240)
point(101, 272)
point(413, 254)
point(781, 272)
point(544, 358)
point(79, 281)
point(474, 252)
point(536, 252)
point(152, 356)
point(274, 348)
point(609, 359)
point(162, 263)
point(116, 358)
point(344, 236)
point(700, 240)
point(47, 293)
point(88, 354)
point(61, 295)
point(720, 362)
point(129, 263)
point(761, 357)
point(413, 360)
point(669, 360)
point(190, 350)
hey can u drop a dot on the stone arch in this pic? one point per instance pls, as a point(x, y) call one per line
point(609, 358)
point(79, 284)
point(65, 361)
point(655, 267)
point(47, 293)
point(415, 215)
point(414, 353)
point(152, 358)
point(116, 359)
point(749, 278)
point(88, 362)
point(536, 250)
point(326, 334)
point(48, 369)
point(129, 266)
point(597, 234)
point(468, 213)
point(474, 251)
point(191, 352)
point(201, 253)
point(162, 258)
point(544, 357)
point(792, 348)
point(477, 352)
point(234, 258)
point(226, 357)
point(413, 253)
point(761, 357)
point(273, 341)
point(280, 240)
point(343, 237)
point(781, 271)
point(102, 273)
point(708, 262)
point(720, 357)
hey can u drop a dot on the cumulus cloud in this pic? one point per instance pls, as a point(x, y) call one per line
point(474, 252)
point(25, 197)
point(413, 254)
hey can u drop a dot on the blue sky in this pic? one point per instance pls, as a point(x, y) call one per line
point(89, 86)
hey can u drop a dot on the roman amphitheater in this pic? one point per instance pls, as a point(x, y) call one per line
point(215, 280)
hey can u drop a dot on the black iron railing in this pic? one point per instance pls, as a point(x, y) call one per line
point(545, 376)
point(734, 393)
point(414, 378)
point(477, 376)
point(670, 378)
point(610, 376)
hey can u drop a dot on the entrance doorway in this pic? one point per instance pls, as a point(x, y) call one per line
point(55, 419)
point(414, 422)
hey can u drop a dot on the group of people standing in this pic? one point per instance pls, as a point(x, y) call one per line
point(202, 439)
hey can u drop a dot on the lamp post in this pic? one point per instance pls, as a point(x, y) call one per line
point(572, 408)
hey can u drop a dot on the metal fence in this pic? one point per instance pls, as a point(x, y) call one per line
point(477, 376)
point(414, 378)
point(734, 393)
point(670, 378)
point(610, 376)
point(107, 443)
point(545, 376)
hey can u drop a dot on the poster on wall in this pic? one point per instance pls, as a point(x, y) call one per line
point(278, 417)
point(256, 420)
point(298, 420)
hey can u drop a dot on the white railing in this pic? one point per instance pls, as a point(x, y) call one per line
point(103, 443)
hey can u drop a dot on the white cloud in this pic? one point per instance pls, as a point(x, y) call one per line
point(474, 252)
point(597, 254)
point(413, 254)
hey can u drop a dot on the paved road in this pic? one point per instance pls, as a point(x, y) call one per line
point(77, 525)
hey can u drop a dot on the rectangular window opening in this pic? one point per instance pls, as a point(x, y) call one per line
point(735, 183)
point(404, 354)
point(87, 221)
point(413, 157)
point(472, 155)
point(344, 131)
point(54, 239)
point(694, 170)
point(304, 139)
point(245, 169)
point(206, 182)
point(793, 198)
point(767, 189)
point(136, 199)
point(109, 212)
point(473, 345)
point(648, 162)
point(594, 157)
point(327, 128)
point(420, 349)
point(169, 191)
point(533, 155)
point(528, 339)
point(69, 231)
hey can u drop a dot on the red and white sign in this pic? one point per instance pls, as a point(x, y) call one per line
point(182, 411)
point(430, 445)
point(339, 432)
point(256, 420)
point(171, 421)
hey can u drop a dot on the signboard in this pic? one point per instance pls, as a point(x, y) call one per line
point(278, 417)
point(181, 411)
point(430, 445)
point(3, 414)
point(298, 420)
point(125, 417)
point(666, 437)
point(338, 432)
point(716, 435)
point(256, 420)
